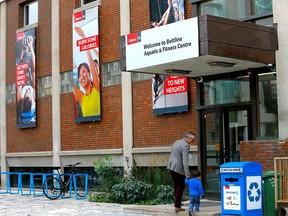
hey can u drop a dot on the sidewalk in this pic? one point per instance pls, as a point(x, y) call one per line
point(18, 205)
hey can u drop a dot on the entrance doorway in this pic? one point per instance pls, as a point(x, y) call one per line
point(223, 130)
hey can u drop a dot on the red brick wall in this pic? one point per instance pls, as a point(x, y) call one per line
point(149, 130)
point(93, 135)
point(263, 151)
point(108, 132)
point(66, 43)
point(32, 139)
point(39, 138)
point(160, 130)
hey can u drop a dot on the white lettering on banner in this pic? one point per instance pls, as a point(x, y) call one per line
point(88, 46)
point(171, 90)
point(175, 84)
point(132, 40)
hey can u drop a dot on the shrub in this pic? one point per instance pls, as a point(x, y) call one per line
point(152, 175)
point(99, 197)
point(130, 190)
point(164, 195)
point(108, 173)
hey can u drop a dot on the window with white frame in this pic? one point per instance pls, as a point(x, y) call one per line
point(83, 2)
point(31, 13)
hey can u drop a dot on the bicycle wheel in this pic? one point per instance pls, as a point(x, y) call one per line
point(80, 182)
point(52, 188)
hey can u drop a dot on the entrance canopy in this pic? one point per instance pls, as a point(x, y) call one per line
point(199, 46)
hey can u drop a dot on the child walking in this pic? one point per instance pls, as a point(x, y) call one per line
point(195, 190)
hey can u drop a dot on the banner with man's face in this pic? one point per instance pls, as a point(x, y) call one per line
point(86, 73)
point(25, 78)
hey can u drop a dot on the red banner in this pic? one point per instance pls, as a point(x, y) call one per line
point(175, 84)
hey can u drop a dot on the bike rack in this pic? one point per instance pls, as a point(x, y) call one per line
point(42, 176)
point(51, 174)
point(20, 183)
point(85, 185)
point(11, 174)
point(34, 177)
point(6, 187)
point(70, 187)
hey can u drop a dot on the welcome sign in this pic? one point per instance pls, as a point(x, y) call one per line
point(166, 44)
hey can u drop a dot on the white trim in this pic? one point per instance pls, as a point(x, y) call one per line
point(25, 12)
point(157, 150)
point(27, 27)
point(92, 152)
point(87, 6)
point(29, 154)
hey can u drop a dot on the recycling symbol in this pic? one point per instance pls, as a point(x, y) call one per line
point(254, 192)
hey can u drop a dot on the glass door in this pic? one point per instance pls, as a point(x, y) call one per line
point(212, 141)
point(237, 131)
point(223, 130)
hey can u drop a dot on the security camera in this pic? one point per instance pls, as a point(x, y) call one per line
point(271, 67)
point(200, 79)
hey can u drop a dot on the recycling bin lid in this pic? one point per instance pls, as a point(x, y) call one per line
point(240, 167)
point(268, 174)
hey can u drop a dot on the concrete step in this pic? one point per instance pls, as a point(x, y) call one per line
point(207, 208)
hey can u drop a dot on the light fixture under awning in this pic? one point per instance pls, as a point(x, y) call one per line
point(221, 64)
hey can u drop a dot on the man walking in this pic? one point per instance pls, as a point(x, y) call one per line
point(179, 168)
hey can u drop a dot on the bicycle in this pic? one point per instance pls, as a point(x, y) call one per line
point(53, 187)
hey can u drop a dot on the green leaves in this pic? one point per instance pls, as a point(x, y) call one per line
point(108, 173)
point(130, 190)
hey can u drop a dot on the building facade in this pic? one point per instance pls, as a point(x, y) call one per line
point(235, 102)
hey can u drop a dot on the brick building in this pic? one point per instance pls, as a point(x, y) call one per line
point(226, 104)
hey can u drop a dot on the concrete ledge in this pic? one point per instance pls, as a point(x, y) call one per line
point(29, 154)
point(92, 152)
point(157, 150)
point(168, 210)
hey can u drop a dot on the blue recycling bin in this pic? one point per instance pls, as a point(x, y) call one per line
point(241, 189)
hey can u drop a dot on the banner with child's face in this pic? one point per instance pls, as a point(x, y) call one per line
point(86, 73)
point(25, 78)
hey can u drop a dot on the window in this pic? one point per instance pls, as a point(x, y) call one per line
point(67, 82)
point(31, 13)
point(83, 2)
point(111, 73)
point(45, 86)
point(244, 10)
point(233, 90)
point(141, 76)
point(268, 109)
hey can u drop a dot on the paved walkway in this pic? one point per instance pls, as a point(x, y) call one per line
point(16, 204)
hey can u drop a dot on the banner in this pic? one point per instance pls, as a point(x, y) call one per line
point(25, 78)
point(86, 73)
point(169, 94)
